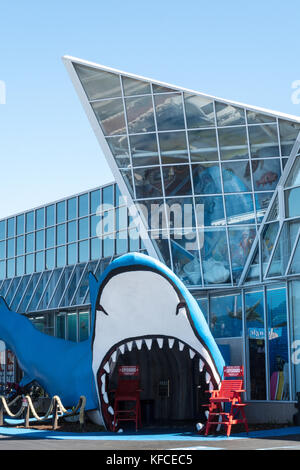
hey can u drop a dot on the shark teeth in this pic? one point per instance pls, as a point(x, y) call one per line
point(148, 343)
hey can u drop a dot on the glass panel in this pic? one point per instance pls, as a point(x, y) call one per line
point(95, 201)
point(2, 270)
point(84, 284)
point(110, 114)
point(121, 218)
point(169, 112)
point(2, 230)
point(255, 341)
point(177, 180)
point(19, 293)
point(203, 145)
point(134, 240)
point(173, 147)
point(294, 175)
point(50, 215)
point(226, 316)
point(61, 258)
point(4, 287)
point(61, 234)
point(147, 182)
point(239, 209)
point(236, 177)
point(60, 288)
point(72, 253)
point(29, 264)
point(10, 268)
point(12, 290)
point(264, 141)
point(268, 237)
point(29, 224)
point(48, 292)
point(291, 197)
point(108, 222)
point(213, 210)
point(295, 265)
point(241, 240)
point(233, 143)
point(72, 231)
point(83, 228)
point(121, 242)
point(84, 325)
point(108, 245)
point(40, 218)
point(144, 150)
point(31, 286)
point(96, 225)
point(253, 273)
point(20, 245)
point(20, 224)
point(83, 205)
point(228, 115)
point(127, 177)
point(262, 201)
point(39, 291)
point(199, 111)
point(161, 244)
point(206, 178)
point(97, 83)
point(2, 250)
point(61, 212)
point(214, 253)
point(29, 242)
point(180, 212)
point(10, 227)
point(40, 261)
point(288, 134)
point(283, 249)
point(119, 148)
point(203, 304)
point(61, 325)
point(72, 208)
point(96, 248)
point(44, 323)
point(66, 301)
point(108, 197)
point(294, 307)
point(140, 116)
point(20, 266)
point(185, 254)
point(50, 259)
point(132, 87)
point(161, 89)
point(278, 343)
point(154, 213)
point(274, 210)
point(83, 251)
point(257, 118)
point(11, 247)
point(50, 237)
point(72, 326)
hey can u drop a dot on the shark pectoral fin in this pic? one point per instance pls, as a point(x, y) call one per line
point(26, 380)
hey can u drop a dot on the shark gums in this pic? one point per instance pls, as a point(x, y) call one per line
point(136, 302)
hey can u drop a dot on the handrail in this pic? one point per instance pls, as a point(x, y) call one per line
point(55, 404)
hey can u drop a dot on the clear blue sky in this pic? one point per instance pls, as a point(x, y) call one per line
point(244, 51)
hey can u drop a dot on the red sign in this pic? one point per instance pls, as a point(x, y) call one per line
point(129, 370)
point(233, 371)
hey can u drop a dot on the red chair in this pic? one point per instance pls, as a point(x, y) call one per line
point(230, 392)
point(127, 406)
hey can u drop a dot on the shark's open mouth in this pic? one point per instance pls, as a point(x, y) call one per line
point(130, 352)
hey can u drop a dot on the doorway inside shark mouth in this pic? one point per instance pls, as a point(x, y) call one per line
point(174, 380)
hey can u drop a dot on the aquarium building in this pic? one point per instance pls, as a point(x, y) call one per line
point(209, 187)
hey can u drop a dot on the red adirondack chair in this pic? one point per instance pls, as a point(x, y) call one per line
point(231, 389)
point(127, 406)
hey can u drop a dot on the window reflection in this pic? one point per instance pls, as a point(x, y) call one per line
point(213, 210)
point(288, 134)
point(233, 143)
point(140, 117)
point(169, 112)
point(203, 145)
point(214, 255)
point(263, 141)
point(199, 111)
point(206, 178)
point(266, 174)
point(110, 114)
point(236, 177)
point(240, 242)
point(147, 182)
point(144, 150)
point(226, 316)
point(177, 180)
point(228, 115)
point(185, 254)
point(173, 147)
point(119, 148)
point(132, 86)
point(239, 209)
point(98, 83)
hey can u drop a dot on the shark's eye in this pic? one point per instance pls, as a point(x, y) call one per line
point(101, 309)
point(181, 308)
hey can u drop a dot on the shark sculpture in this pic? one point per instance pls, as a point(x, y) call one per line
point(136, 301)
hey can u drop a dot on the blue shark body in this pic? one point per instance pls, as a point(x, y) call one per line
point(120, 314)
